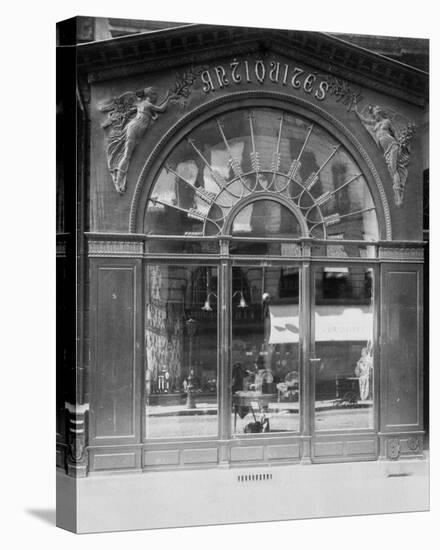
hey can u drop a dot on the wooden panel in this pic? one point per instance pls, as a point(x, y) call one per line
point(344, 448)
point(329, 448)
point(161, 458)
point(247, 453)
point(195, 456)
point(115, 397)
point(279, 452)
point(114, 461)
point(401, 349)
point(360, 447)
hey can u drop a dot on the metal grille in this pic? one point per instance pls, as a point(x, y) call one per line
point(246, 478)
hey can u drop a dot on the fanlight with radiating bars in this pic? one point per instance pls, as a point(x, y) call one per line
point(292, 177)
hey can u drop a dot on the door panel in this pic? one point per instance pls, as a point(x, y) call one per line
point(266, 343)
point(343, 351)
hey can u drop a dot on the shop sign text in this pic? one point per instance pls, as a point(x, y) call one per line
point(261, 72)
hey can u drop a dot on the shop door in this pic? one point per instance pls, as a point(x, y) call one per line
point(342, 348)
point(266, 338)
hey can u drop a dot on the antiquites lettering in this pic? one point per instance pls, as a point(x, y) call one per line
point(262, 71)
point(130, 115)
point(393, 135)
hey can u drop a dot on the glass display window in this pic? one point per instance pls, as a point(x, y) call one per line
point(264, 340)
point(265, 350)
point(181, 375)
point(344, 347)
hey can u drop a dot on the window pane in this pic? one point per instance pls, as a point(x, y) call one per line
point(265, 219)
point(266, 248)
point(243, 152)
point(344, 375)
point(181, 351)
point(265, 350)
point(174, 246)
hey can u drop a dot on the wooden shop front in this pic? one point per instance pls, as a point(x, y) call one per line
point(249, 256)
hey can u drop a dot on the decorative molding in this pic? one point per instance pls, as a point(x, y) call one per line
point(401, 445)
point(76, 438)
point(401, 253)
point(190, 44)
point(61, 248)
point(367, 72)
point(413, 443)
point(77, 408)
point(113, 248)
point(147, 171)
point(393, 448)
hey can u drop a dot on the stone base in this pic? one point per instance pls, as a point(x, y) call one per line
point(147, 500)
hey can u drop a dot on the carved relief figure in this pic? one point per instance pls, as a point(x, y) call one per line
point(129, 116)
point(394, 140)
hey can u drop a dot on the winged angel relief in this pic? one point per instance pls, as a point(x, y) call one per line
point(130, 115)
point(392, 134)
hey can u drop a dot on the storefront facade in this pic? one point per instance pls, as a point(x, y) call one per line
point(251, 263)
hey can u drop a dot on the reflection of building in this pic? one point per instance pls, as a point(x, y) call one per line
point(243, 238)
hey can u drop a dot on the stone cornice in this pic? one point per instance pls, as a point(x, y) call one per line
point(195, 44)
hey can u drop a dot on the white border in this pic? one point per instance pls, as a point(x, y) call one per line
point(28, 278)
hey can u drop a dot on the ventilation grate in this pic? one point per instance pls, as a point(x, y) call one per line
point(246, 478)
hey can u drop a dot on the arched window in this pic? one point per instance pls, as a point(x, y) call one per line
point(265, 218)
point(291, 162)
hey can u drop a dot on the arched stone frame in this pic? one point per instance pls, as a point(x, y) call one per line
point(253, 99)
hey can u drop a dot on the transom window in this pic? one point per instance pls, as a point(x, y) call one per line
point(304, 182)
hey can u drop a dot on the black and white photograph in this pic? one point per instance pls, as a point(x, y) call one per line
point(242, 219)
point(240, 269)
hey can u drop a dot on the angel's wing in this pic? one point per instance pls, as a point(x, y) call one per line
point(401, 124)
point(120, 110)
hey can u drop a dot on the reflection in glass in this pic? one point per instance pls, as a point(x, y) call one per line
point(266, 248)
point(181, 351)
point(265, 350)
point(265, 218)
point(175, 246)
point(225, 160)
point(343, 344)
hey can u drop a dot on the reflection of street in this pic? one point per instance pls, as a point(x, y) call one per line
point(178, 420)
point(326, 418)
point(281, 419)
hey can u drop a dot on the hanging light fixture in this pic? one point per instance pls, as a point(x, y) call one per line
point(207, 305)
point(242, 303)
